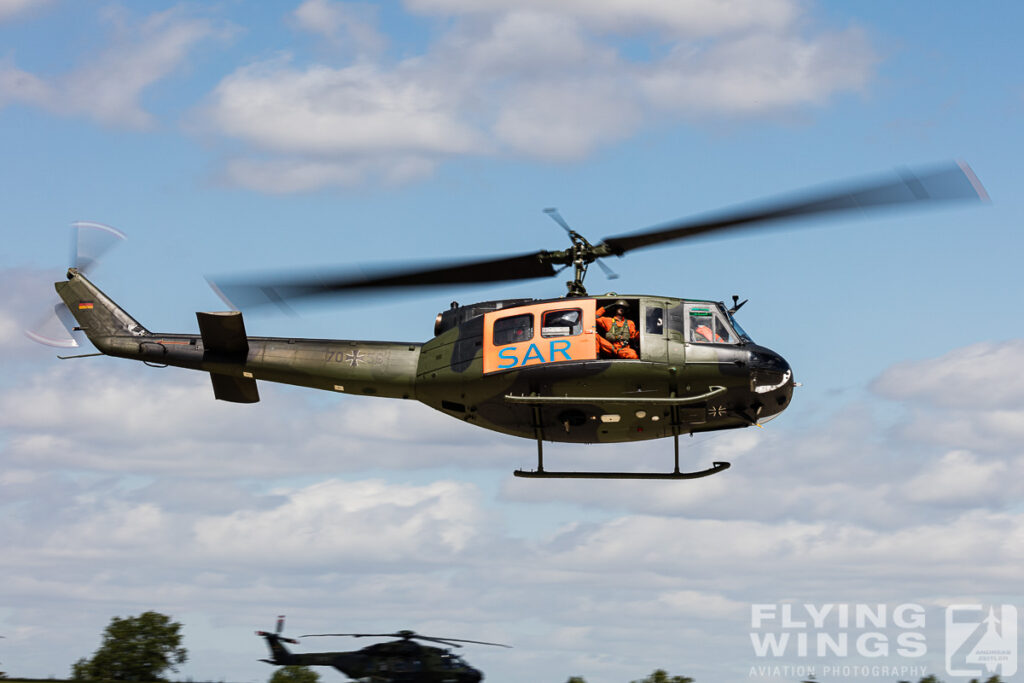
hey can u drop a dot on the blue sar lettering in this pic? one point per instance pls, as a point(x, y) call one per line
point(558, 350)
point(508, 354)
point(532, 353)
point(561, 347)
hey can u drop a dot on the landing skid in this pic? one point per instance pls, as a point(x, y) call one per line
point(545, 474)
point(541, 473)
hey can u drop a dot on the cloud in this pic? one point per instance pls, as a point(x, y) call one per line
point(976, 376)
point(28, 300)
point(959, 476)
point(110, 416)
point(700, 18)
point(759, 73)
point(967, 399)
point(355, 552)
point(108, 87)
point(343, 24)
point(13, 8)
point(322, 111)
point(521, 79)
point(335, 522)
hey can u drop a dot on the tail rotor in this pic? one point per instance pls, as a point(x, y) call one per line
point(89, 242)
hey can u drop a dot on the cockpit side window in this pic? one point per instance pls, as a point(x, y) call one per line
point(655, 320)
point(513, 329)
point(563, 323)
point(705, 325)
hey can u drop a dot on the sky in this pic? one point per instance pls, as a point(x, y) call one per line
point(232, 136)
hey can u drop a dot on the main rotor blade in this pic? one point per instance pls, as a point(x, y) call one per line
point(455, 641)
point(948, 182)
point(353, 635)
point(407, 635)
point(257, 290)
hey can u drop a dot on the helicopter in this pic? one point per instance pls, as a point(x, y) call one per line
point(398, 661)
point(534, 368)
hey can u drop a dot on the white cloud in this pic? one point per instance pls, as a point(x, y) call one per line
point(108, 87)
point(339, 523)
point(979, 376)
point(759, 73)
point(20, 86)
point(693, 18)
point(959, 476)
point(565, 120)
point(112, 416)
point(340, 553)
point(967, 399)
point(345, 24)
point(325, 112)
point(27, 304)
point(524, 79)
point(12, 8)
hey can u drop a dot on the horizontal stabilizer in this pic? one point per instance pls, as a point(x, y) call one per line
point(234, 389)
point(223, 333)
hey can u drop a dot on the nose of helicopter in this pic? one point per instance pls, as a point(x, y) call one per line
point(771, 380)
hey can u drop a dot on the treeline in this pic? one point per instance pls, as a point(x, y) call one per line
point(662, 676)
point(300, 674)
point(145, 647)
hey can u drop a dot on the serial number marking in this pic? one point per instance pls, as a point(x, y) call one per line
point(356, 357)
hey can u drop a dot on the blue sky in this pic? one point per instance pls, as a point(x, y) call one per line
point(226, 137)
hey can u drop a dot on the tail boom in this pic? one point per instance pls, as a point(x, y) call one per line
point(234, 360)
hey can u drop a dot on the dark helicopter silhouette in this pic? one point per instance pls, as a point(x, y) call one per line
point(397, 661)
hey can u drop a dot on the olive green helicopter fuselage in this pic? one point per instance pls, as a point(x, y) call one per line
point(529, 368)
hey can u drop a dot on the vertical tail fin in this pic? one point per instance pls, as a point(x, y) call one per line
point(96, 313)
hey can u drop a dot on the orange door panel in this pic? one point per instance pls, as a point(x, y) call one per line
point(554, 332)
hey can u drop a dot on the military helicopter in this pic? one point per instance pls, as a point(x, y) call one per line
point(398, 661)
point(539, 369)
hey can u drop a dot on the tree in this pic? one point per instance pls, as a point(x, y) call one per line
point(135, 649)
point(294, 674)
point(575, 679)
point(661, 676)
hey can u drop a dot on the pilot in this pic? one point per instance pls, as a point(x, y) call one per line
point(616, 332)
point(703, 333)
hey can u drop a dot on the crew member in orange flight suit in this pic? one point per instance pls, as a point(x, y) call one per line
point(615, 333)
point(702, 333)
